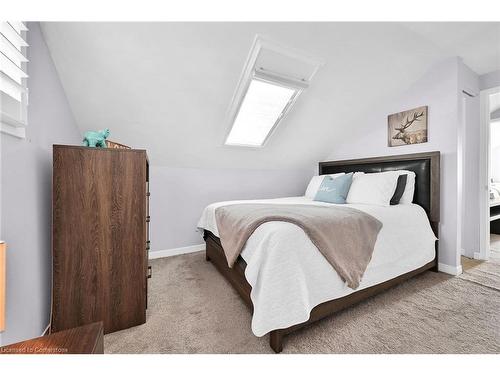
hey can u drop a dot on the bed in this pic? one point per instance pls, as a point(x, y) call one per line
point(288, 284)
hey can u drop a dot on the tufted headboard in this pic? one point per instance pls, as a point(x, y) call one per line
point(426, 168)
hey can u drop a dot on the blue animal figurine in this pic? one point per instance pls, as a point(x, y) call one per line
point(96, 138)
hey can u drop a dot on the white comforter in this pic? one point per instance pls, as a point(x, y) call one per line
point(289, 276)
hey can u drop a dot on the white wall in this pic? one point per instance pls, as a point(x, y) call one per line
point(489, 80)
point(438, 89)
point(178, 196)
point(469, 143)
point(26, 195)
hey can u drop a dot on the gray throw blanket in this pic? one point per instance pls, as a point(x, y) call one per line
point(345, 236)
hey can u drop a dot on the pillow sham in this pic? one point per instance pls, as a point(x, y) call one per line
point(334, 190)
point(315, 183)
point(373, 188)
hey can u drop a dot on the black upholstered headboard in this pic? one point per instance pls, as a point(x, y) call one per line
point(426, 168)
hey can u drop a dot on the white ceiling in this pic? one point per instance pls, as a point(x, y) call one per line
point(478, 44)
point(166, 86)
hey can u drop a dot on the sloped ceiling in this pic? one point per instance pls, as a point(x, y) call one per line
point(166, 86)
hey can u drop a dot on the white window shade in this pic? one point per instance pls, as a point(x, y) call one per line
point(18, 26)
point(13, 78)
point(262, 108)
point(273, 77)
point(10, 51)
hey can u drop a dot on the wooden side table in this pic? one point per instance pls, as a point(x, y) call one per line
point(87, 339)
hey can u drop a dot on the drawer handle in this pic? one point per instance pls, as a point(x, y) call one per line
point(150, 272)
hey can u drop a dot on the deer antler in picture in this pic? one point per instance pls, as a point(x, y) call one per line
point(416, 117)
point(400, 127)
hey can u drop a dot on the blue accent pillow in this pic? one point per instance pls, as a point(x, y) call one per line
point(334, 190)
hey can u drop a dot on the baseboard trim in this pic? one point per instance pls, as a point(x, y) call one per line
point(176, 251)
point(46, 331)
point(455, 271)
point(479, 256)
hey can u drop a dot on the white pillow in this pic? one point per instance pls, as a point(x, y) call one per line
point(407, 197)
point(315, 183)
point(373, 188)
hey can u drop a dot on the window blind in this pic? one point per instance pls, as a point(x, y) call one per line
point(13, 77)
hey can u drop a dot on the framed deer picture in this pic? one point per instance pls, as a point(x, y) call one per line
point(407, 127)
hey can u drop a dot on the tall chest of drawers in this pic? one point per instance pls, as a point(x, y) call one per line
point(100, 237)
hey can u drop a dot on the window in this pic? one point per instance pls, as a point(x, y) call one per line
point(263, 106)
point(265, 95)
point(13, 77)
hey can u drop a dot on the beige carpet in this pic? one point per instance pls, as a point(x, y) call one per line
point(192, 309)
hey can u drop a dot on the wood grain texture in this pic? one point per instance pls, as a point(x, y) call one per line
point(99, 237)
point(87, 339)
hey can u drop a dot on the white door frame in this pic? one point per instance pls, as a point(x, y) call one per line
point(484, 174)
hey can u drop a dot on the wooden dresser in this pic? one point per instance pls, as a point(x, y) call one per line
point(100, 237)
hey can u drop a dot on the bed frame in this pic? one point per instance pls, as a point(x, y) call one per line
point(427, 169)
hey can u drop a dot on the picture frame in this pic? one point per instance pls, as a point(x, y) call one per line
point(111, 144)
point(408, 127)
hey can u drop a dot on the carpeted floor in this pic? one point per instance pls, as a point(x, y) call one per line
point(192, 309)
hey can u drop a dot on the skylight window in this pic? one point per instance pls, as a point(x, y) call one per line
point(272, 79)
point(263, 106)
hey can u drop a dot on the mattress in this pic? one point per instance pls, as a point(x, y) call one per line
point(289, 276)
